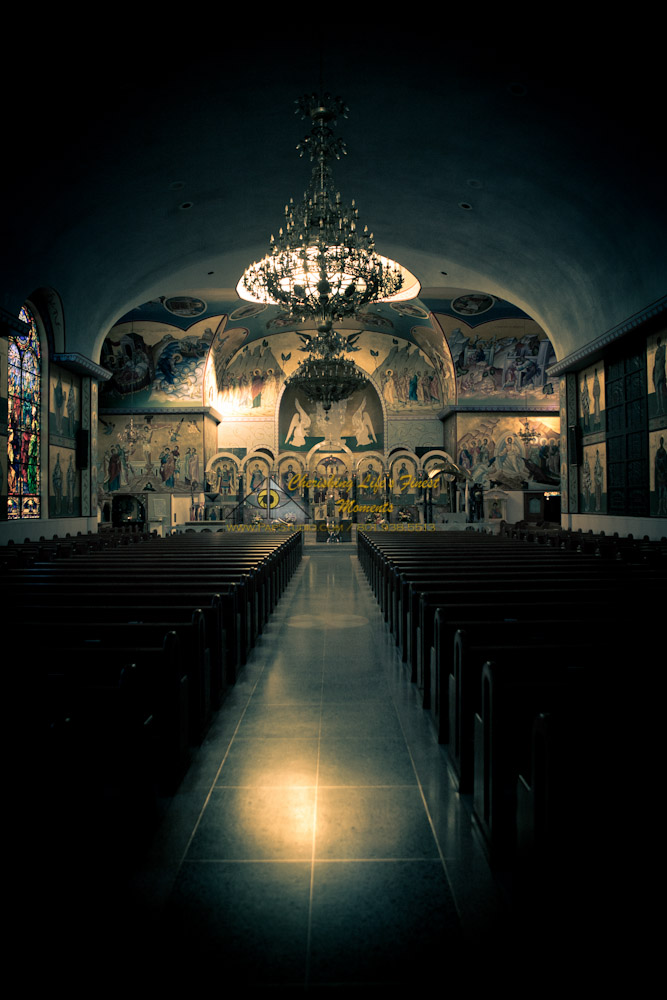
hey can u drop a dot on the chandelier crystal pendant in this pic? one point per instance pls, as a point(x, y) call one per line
point(323, 266)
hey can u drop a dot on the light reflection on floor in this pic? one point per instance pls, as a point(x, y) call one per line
point(317, 841)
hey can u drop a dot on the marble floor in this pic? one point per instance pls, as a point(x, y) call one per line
point(317, 841)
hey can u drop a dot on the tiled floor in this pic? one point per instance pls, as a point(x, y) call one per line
point(317, 840)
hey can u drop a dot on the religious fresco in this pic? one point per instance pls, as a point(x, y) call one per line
point(64, 405)
point(433, 343)
point(225, 344)
point(250, 383)
point(493, 448)
point(64, 479)
point(565, 459)
point(500, 360)
point(150, 451)
point(657, 384)
point(477, 349)
point(592, 480)
point(370, 471)
point(290, 469)
point(356, 422)
point(403, 473)
point(409, 382)
point(94, 429)
point(222, 476)
point(64, 483)
point(592, 399)
point(658, 473)
point(256, 470)
point(495, 505)
point(156, 363)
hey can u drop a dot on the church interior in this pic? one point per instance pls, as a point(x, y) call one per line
point(317, 829)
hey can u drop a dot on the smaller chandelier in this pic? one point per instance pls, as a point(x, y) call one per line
point(326, 376)
point(527, 435)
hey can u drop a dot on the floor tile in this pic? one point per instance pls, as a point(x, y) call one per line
point(281, 720)
point(247, 922)
point(252, 824)
point(372, 822)
point(364, 761)
point(381, 923)
point(270, 761)
point(372, 718)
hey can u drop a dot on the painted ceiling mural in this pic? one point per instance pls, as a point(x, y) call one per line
point(155, 364)
point(499, 358)
point(249, 364)
point(234, 356)
point(184, 350)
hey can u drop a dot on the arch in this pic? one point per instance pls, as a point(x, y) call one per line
point(434, 454)
point(48, 304)
point(313, 456)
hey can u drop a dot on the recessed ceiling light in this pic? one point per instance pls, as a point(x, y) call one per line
point(176, 185)
point(474, 184)
point(465, 205)
point(185, 206)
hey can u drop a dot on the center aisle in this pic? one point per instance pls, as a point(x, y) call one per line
point(317, 840)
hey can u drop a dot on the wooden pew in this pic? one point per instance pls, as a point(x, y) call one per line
point(458, 625)
point(148, 684)
point(512, 696)
point(111, 630)
point(518, 646)
point(150, 589)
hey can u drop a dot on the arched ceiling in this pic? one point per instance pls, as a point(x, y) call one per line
point(555, 153)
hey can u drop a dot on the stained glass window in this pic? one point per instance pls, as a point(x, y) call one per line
point(23, 421)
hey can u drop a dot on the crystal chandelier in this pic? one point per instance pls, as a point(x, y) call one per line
point(326, 376)
point(323, 266)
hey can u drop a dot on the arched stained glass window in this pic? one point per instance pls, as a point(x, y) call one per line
point(23, 421)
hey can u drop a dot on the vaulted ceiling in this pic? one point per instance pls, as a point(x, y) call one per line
point(530, 173)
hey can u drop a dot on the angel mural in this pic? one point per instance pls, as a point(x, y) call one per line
point(299, 427)
point(363, 425)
